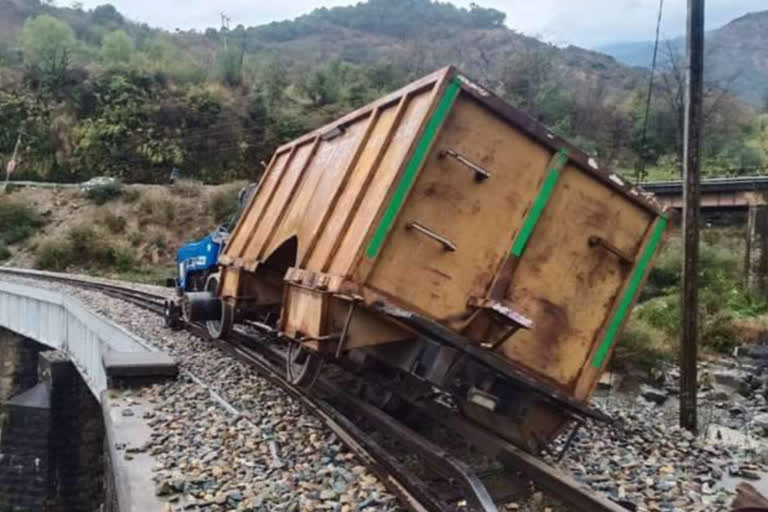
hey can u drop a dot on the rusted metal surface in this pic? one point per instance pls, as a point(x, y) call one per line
point(748, 499)
point(444, 202)
point(481, 491)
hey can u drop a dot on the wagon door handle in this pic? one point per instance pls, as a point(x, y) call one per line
point(624, 258)
point(480, 173)
point(447, 244)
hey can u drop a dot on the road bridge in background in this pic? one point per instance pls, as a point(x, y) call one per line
point(721, 193)
point(747, 194)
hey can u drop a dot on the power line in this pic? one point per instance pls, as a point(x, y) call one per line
point(644, 135)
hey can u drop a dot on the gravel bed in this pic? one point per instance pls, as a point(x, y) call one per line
point(272, 456)
point(284, 459)
point(646, 459)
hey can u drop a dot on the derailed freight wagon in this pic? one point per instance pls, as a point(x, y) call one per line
point(439, 237)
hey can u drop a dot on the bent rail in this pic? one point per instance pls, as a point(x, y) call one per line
point(65, 324)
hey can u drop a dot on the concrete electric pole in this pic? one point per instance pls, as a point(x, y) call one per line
point(691, 179)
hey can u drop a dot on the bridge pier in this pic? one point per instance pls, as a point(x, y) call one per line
point(18, 366)
point(756, 247)
point(51, 450)
point(62, 420)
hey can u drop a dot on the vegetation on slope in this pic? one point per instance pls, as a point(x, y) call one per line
point(92, 93)
point(131, 232)
point(730, 314)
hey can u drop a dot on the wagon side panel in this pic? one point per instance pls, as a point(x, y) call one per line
point(324, 173)
point(477, 215)
point(570, 270)
point(275, 210)
point(406, 130)
point(350, 201)
point(256, 207)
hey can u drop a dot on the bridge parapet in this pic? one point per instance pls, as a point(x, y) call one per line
point(103, 353)
point(63, 323)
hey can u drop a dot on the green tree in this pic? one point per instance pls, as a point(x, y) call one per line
point(322, 86)
point(161, 52)
point(48, 43)
point(230, 61)
point(107, 14)
point(117, 48)
point(275, 82)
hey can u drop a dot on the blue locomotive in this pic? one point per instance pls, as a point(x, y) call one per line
point(196, 261)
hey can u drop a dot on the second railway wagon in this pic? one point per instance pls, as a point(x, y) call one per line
point(441, 238)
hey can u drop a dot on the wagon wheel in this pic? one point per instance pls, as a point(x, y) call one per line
point(172, 315)
point(186, 309)
point(219, 329)
point(302, 365)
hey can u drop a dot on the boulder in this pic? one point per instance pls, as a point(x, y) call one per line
point(652, 394)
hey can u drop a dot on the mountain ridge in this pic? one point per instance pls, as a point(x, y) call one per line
point(736, 55)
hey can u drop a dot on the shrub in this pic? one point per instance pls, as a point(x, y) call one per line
point(54, 255)
point(131, 195)
point(157, 211)
point(18, 222)
point(224, 204)
point(160, 242)
point(643, 347)
point(114, 223)
point(101, 194)
point(661, 313)
point(84, 247)
point(5, 253)
point(719, 332)
point(187, 188)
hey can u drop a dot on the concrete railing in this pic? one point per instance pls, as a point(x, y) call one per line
point(64, 324)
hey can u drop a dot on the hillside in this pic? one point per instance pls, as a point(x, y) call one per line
point(131, 231)
point(427, 36)
point(90, 93)
point(736, 56)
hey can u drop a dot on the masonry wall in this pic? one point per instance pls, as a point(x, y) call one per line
point(18, 366)
point(51, 447)
point(25, 472)
point(77, 437)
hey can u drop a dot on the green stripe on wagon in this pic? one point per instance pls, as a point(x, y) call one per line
point(398, 198)
point(631, 291)
point(539, 203)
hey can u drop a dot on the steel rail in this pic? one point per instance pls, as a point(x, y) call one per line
point(415, 493)
point(398, 479)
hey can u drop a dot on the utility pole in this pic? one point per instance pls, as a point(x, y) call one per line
point(691, 179)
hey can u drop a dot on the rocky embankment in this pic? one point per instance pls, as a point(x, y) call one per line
point(271, 455)
point(648, 463)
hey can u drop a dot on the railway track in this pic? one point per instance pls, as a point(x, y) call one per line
point(427, 475)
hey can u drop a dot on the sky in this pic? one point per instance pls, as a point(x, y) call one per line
point(587, 23)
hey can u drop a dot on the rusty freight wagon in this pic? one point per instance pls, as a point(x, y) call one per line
point(440, 238)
